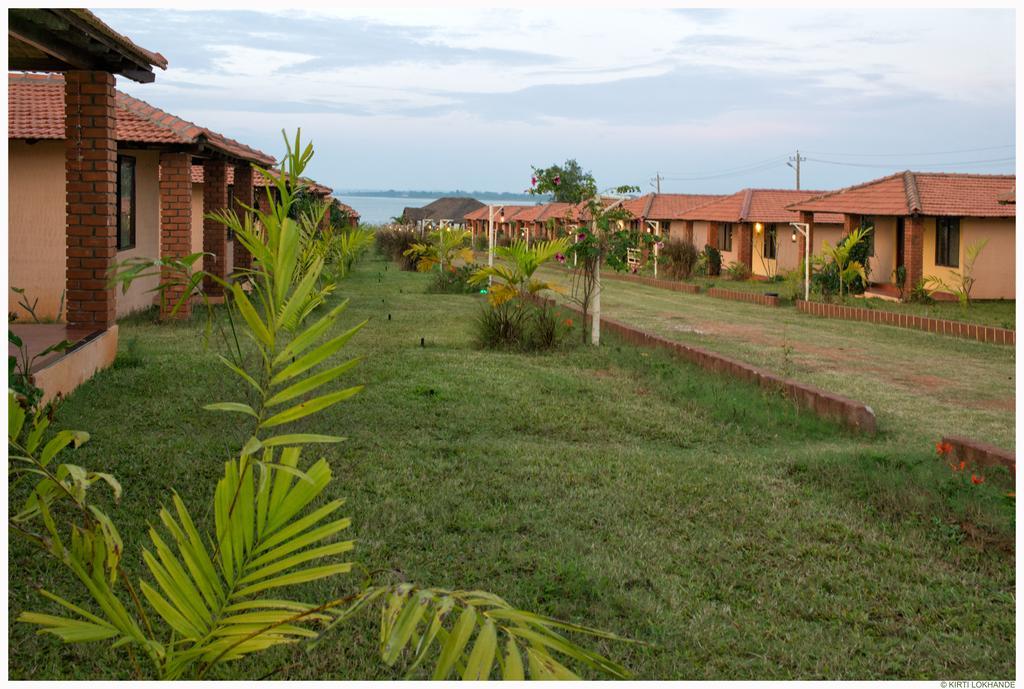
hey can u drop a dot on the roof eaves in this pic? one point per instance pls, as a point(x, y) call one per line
point(748, 198)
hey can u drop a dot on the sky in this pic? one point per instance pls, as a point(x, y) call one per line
point(713, 100)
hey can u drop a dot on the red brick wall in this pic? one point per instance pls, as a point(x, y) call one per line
point(913, 249)
point(91, 185)
point(745, 249)
point(739, 295)
point(243, 197)
point(688, 230)
point(175, 219)
point(982, 454)
point(712, 239)
point(215, 237)
point(970, 331)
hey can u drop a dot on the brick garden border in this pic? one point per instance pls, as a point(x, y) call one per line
point(737, 295)
point(852, 414)
point(971, 331)
point(981, 454)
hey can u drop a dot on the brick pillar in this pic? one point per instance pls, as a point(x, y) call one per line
point(688, 230)
point(913, 249)
point(175, 220)
point(801, 243)
point(215, 236)
point(851, 222)
point(712, 239)
point(243, 197)
point(91, 197)
point(745, 244)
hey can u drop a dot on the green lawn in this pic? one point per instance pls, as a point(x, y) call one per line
point(1000, 313)
point(615, 487)
point(920, 385)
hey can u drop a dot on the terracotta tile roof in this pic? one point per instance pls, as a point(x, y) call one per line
point(921, 193)
point(530, 213)
point(258, 180)
point(478, 214)
point(556, 210)
point(125, 43)
point(345, 208)
point(757, 205)
point(36, 111)
point(1009, 197)
point(673, 206)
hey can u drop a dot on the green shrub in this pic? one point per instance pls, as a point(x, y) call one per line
point(394, 242)
point(680, 258)
point(455, 280)
point(711, 261)
point(737, 271)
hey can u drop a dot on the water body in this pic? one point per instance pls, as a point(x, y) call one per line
point(378, 210)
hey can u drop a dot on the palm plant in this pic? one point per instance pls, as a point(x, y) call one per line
point(443, 248)
point(515, 278)
point(961, 282)
point(848, 269)
point(212, 598)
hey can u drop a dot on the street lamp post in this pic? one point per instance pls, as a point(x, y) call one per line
point(805, 229)
point(491, 238)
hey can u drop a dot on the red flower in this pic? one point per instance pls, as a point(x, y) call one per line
point(568, 322)
point(533, 181)
point(558, 180)
point(976, 480)
point(943, 448)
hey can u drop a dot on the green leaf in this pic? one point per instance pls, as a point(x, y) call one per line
point(309, 407)
point(237, 407)
point(310, 335)
point(67, 629)
point(481, 658)
point(314, 357)
point(512, 669)
point(15, 416)
point(242, 374)
point(300, 439)
point(456, 643)
point(311, 574)
point(256, 324)
point(311, 383)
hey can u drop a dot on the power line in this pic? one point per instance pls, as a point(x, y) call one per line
point(897, 155)
point(741, 168)
point(759, 168)
point(990, 161)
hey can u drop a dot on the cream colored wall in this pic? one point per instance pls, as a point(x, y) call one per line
point(727, 256)
point(147, 230)
point(197, 220)
point(883, 263)
point(759, 265)
point(36, 220)
point(831, 233)
point(995, 267)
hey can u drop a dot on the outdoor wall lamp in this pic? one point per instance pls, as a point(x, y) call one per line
point(758, 227)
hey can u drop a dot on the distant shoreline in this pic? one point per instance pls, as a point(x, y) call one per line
point(392, 194)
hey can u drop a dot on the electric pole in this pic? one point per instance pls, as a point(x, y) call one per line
point(796, 159)
point(657, 181)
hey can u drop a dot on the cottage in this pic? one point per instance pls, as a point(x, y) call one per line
point(78, 204)
point(925, 222)
point(449, 211)
point(751, 227)
point(154, 152)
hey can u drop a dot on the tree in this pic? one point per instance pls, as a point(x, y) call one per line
point(593, 239)
point(567, 183)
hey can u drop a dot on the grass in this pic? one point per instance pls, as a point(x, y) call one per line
point(616, 487)
point(920, 385)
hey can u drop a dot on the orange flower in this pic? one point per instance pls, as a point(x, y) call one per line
point(976, 480)
point(943, 448)
point(568, 322)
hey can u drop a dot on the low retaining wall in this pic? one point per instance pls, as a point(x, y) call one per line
point(654, 282)
point(981, 454)
point(971, 331)
point(852, 414)
point(737, 295)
